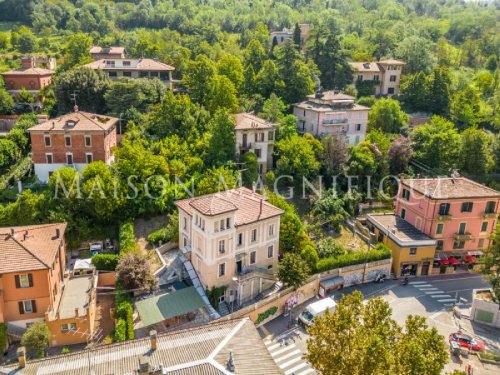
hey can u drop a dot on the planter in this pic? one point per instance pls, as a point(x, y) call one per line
point(490, 361)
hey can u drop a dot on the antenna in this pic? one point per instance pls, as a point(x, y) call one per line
point(72, 97)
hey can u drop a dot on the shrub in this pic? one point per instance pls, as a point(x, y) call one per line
point(378, 253)
point(490, 356)
point(328, 247)
point(36, 338)
point(124, 312)
point(214, 294)
point(65, 351)
point(127, 237)
point(3, 337)
point(120, 330)
point(170, 233)
point(266, 314)
point(105, 262)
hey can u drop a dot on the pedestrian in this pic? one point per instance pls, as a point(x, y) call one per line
point(469, 368)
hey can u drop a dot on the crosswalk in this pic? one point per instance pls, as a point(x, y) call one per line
point(434, 292)
point(288, 356)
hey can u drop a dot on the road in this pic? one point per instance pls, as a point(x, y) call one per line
point(431, 297)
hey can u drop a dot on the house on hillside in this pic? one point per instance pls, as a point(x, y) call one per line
point(74, 139)
point(286, 34)
point(386, 75)
point(99, 53)
point(232, 240)
point(332, 113)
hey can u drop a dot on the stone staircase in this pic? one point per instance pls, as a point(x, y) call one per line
point(223, 309)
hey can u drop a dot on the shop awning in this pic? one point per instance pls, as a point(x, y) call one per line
point(469, 259)
point(444, 262)
point(453, 261)
point(475, 253)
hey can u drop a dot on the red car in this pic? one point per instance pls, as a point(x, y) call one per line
point(467, 341)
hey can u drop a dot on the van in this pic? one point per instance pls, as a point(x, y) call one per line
point(315, 310)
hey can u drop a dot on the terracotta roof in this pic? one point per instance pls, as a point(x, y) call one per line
point(136, 64)
point(365, 67)
point(112, 50)
point(198, 351)
point(333, 95)
point(392, 62)
point(29, 71)
point(450, 188)
point(84, 121)
point(310, 105)
point(245, 121)
point(400, 231)
point(249, 206)
point(35, 251)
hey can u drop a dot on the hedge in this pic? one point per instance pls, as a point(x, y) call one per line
point(3, 337)
point(127, 237)
point(380, 252)
point(266, 314)
point(120, 330)
point(124, 313)
point(105, 262)
point(170, 233)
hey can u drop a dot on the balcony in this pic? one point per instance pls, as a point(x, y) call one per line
point(488, 215)
point(252, 271)
point(444, 217)
point(336, 121)
point(245, 146)
point(463, 236)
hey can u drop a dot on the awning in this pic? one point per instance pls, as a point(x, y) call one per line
point(453, 261)
point(469, 259)
point(475, 253)
point(159, 308)
point(444, 262)
point(440, 256)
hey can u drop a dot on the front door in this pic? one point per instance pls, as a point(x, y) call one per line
point(239, 266)
point(245, 140)
point(425, 268)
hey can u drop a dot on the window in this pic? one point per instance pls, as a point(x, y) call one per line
point(490, 208)
point(24, 281)
point(360, 77)
point(222, 247)
point(185, 223)
point(69, 159)
point(89, 157)
point(240, 239)
point(143, 74)
point(358, 127)
point(261, 168)
point(270, 251)
point(484, 226)
point(390, 90)
point(271, 230)
point(254, 235)
point(467, 206)
point(216, 226)
point(480, 243)
point(270, 135)
point(222, 225)
point(304, 112)
point(253, 256)
point(376, 78)
point(112, 74)
point(126, 63)
point(439, 229)
point(68, 327)
point(27, 307)
point(413, 251)
point(67, 140)
point(439, 245)
point(222, 269)
point(392, 78)
point(444, 209)
point(88, 140)
point(403, 213)
point(458, 244)
point(259, 137)
point(461, 228)
point(127, 74)
point(228, 223)
point(47, 140)
point(406, 194)
point(258, 152)
point(356, 140)
point(49, 159)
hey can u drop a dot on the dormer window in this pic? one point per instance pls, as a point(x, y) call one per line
point(70, 123)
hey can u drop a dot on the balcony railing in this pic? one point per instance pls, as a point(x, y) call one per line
point(463, 236)
point(245, 146)
point(250, 271)
point(489, 215)
point(444, 217)
point(338, 121)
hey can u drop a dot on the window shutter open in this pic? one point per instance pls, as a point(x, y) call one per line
point(30, 279)
point(33, 305)
point(21, 308)
point(18, 282)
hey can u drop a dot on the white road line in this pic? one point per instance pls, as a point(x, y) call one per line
point(418, 282)
point(285, 349)
point(268, 342)
point(290, 362)
point(308, 371)
point(440, 295)
point(274, 346)
point(422, 289)
point(447, 300)
point(292, 370)
point(288, 355)
point(435, 292)
point(435, 315)
point(422, 286)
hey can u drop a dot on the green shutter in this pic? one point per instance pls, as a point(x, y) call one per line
point(484, 316)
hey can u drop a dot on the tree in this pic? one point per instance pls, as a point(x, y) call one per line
point(475, 156)
point(6, 102)
point(217, 179)
point(414, 92)
point(220, 139)
point(273, 109)
point(24, 96)
point(9, 152)
point(439, 83)
point(291, 226)
point(491, 264)
point(416, 52)
point(287, 127)
point(250, 172)
point(296, 158)
point(221, 95)
point(437, 144)
point(77, 51)
point(255, 55)
point(399, 154)
point(231, 67)
point(465, 108)
point(296, 35)
point(329, 209)
point(387, 116)
point(362, 338)
point(134, 271)
point(335, 154)
point(137, 93)
point(88, 84)
point(27, 40)
point(268, 80)
point(197, 77)
point(293, 270)
point(36, 338)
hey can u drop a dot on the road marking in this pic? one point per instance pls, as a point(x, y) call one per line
point(292, 370)
point(440, 295)
point(422, 285)
point(291, 362)
point(268, 342)
point(435, 315)
point(291, 354)
point(447, 300)
point(274, 346)
point(308, 371)
point(422, 289)
point(418, 282)
point(436, 292)
point(285, 349)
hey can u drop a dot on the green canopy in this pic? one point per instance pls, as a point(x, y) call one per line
point(159, 308)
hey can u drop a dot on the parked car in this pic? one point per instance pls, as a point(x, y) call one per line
point(316, 309)
point(96, 248)
point(467, 341)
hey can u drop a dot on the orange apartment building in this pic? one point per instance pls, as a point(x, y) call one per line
point(33, 286)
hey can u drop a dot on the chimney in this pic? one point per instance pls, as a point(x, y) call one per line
point(12, 232)
point(153, 338)
point(21, 356)
point(58, 232)
point(260, 207)
point(77, 311)
point(75, 108)
point(230, 362)
point(26, 235)
point(28, 62)
point(144, 365)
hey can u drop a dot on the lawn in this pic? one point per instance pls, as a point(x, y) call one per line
point(350, 241)
point(142, 228)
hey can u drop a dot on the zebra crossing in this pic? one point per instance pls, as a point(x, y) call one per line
point(288, 356)
point(434, 292)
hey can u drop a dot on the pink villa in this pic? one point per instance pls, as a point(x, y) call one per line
point(458, 213)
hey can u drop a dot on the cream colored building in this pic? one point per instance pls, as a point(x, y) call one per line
point(386, 72)
point(232, 238)
point(256, 135)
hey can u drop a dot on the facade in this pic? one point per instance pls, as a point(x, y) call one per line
point(458, 213)
point(28, 77)
point(99, 53)
point(229, 347)
point(387, 74)
point(75, 139)
point(256, 135)
point(412, 250)
point(232, 238)
point(285, 34)
point(332, 113)
point(117, 68)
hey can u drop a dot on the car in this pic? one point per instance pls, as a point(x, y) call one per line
point(467, 341)
point(96, 248)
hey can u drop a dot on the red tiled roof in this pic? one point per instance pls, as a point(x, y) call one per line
point(29, 71)
point(142, 64)
point(110, 50)
point(450, 188)
point(35, 251)
point(249, 206)
point(246, 121)
point(84, 121)
point(365, 67)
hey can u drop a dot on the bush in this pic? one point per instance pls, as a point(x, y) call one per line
point(127, 237)
point(490, 356)
point(378, 253)
point(124, 312)
point(367, 101)
point(120, 330)
point(266, 314)
point(36, 338)
point(65, 351)
point(105, 262)
point(328, 247)
point(3, 337)
point(170, 233)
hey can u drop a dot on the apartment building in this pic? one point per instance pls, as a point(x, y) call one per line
point(117, 68)
point(232, 238)
point(29, 76)
point(74, 139)
point(332, 113)
point(254, 134)
point(287, 33)
point(385, 73)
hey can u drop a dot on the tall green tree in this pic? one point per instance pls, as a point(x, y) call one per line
point(77, 51)
point(273, 109)
point(231, 67)
point(416, 52)
point(296, 158)
point(198, 76)
point(296, 35)
point(255, 55)
point(475, 155)
point(137, 93)
point(335, 154)
point(27, 41)
point(466, 108)
point(291, 227)
point(220, 139)
point(387, 116)
point(221, 94)
point(268, 80)
point(491, 264)
point(414, 92)
point(250, 172)
point(6, 102)
point(439, 83)
point(293, 270)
